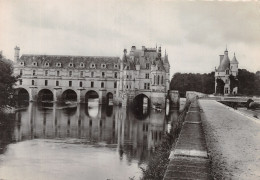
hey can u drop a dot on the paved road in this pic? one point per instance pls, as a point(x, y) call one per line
point(233, 141)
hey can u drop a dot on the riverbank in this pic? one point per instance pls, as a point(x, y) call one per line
point(158, 163)
point(232, 140)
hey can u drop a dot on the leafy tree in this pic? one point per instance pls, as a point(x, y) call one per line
point(7, 81)
point(220, 86)
point(204, 83)
point(233, 82)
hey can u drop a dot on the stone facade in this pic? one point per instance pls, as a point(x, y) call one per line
point(143, 72)
point(146, 73)
point(225, 69)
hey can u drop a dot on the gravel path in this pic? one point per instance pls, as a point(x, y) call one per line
point(233, 141)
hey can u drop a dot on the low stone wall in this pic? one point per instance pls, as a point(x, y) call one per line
point(189, 158)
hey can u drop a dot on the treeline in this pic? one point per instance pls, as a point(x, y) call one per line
point(7, 81)
point(248, 83)
point(183, 82)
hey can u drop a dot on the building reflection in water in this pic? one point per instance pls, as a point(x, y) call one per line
point(134, 136)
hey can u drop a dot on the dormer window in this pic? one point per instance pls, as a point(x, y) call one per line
point(92, 66)
point(115, 66)
point(58, 64)
point(34, 63)
point(82, 65)
point(22, 63)
point(47, 64)
point(227, 72)
point(70, 64)
point(103, 66)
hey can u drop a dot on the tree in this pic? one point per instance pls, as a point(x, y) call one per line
point(233, 82)
point(220, 86)
point(7, 81)
point(204, 83)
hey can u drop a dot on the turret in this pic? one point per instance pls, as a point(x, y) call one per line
point(234, 66)
point(16, 53)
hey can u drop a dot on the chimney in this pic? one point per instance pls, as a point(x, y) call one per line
point(133, 48)
point(16, 53)
point(220, 58)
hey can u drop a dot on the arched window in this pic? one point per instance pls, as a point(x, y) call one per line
point(102, 84)
point(158, 80)
point(154, 79)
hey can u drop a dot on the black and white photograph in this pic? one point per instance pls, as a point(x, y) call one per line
point(129, 90)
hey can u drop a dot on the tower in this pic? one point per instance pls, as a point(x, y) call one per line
point(234, 66)
point(16, 53)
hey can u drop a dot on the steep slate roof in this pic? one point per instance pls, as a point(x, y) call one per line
point(29, 59)
point(225, 63)
point(234, 60)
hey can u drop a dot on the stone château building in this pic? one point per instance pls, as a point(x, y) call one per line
point(59, 78)
point(224, 70)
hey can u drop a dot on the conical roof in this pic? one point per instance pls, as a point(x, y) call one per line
point(225, 63)
point(234, 60)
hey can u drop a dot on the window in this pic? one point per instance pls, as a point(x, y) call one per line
point(103, 74)
point(162, 80)
point(46, 72)
point(92, 84)
point(147, 76)
point(81, 73)
point(58, 73)
point(92, 74)
point(115, 75)
point(227, 72)
point(46, 83)
point(145, 86)
point(154, 79)
point(34, 72)
point(20, 81)
point(47, 64)
point(226, 90)
point(103, 66)
point(126, 76)
point(148, 85)
point(22, 63)
point(21, 72)
point(57, 83)
point(58, 64)
point(33, 82)
point(80, 84)
point(35, 63)
point(92, 65)
point(81, 64)
point(102, 84)
point(115, 84)
point(158, 80)
point(115, 66)
point(70, 64)
point(70, 73)
point(147, 66)
point(70, 83)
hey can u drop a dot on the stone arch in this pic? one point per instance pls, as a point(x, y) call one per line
point(45, 95)
point(109, 98)
point(91, 96)
point(22, 94)
point(69, 95)
point(141, 106)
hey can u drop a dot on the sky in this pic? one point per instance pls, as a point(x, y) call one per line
point(194, 33)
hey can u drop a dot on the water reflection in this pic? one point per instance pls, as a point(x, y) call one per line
point(132, 135)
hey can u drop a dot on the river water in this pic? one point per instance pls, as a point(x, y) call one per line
point(79, 142)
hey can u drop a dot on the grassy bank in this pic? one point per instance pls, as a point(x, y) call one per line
point(158, 163)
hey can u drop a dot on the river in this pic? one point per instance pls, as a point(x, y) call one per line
point(79, 142)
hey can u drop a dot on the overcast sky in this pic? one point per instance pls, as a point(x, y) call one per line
point(193, 33)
